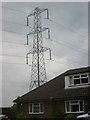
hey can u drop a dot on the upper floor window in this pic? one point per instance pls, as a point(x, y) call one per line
point(77, 80)
point(36, 108)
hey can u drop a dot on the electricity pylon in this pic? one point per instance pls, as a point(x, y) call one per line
point(38, 71)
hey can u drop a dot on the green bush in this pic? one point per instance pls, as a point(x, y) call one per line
point(69, 117)
point(58, 114)
point(14, 110)
point(20, 117)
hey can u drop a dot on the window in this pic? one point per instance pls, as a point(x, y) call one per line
point(81, 79)
point(75, 106)
point(36, 108)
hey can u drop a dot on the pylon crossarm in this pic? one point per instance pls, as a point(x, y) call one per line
point(45, 49)
point(44, 29)
point(31, 14)
point(28, 18)
point(42, 10)
point(32, 32)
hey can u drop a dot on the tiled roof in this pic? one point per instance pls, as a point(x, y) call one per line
point(55, 89)
point(78, 70)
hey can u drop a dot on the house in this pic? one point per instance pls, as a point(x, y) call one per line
point(68, 92)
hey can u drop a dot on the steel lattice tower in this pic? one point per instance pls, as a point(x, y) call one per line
point(38, 71)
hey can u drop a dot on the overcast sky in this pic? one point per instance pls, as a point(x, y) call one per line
point(69, 43)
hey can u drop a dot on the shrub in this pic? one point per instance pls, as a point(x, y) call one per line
point(20, 117)
point(58, 114)
point(69, 117)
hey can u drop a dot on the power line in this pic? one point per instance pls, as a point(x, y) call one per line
point(13, 23)
point(73, 61)
point(13, 63)
point(45, 59)
point(18, 44)
point(14, 9)
point(69, 65)
point(63, 25)
point(12, 55)
point(51, 20)
point(68, 28)
point(79, 49)
point(21, 64)
point(69, 58)
point(71, 46)
point(76, 49)
point(24, 56)
point(13, 32)
point(56, 41)
point(12, 43)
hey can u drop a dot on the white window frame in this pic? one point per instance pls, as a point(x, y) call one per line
point(39, 105)
point(72, 78)
point(70, 104)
